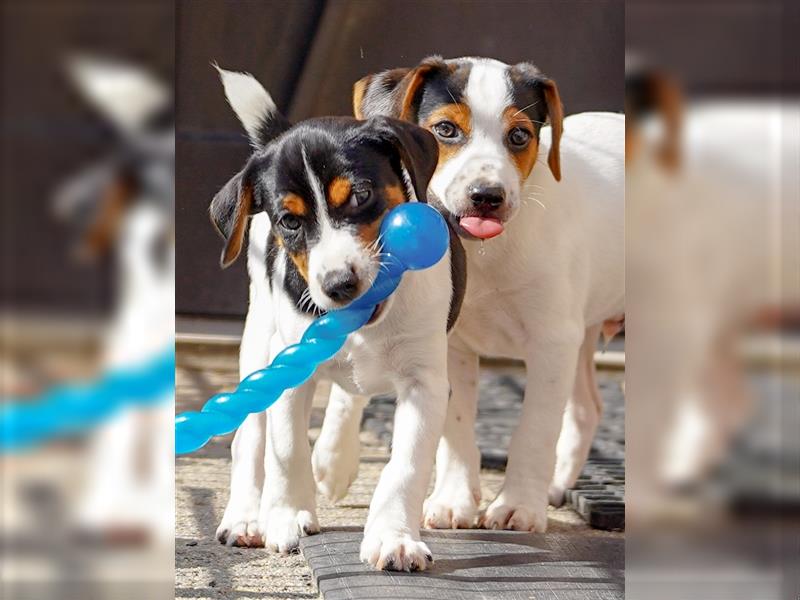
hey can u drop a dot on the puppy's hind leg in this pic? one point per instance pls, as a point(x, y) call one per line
point(454, 501)
point(581, 417)
point(338, 448)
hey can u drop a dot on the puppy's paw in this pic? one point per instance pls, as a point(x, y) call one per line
point(517, 516)
point(285, 526)
point(556, 495)
point(240, 527)
point(450, 508)
point(564, 477)
point(335, 465)
point(394, 551)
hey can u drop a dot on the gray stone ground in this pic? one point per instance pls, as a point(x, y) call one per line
point(206, 569)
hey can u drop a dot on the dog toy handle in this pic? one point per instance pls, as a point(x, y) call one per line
point(414, 237)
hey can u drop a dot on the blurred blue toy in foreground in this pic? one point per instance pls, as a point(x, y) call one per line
point(77, 408)
point(414, 237)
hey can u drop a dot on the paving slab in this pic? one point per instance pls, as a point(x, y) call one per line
point(470, 564)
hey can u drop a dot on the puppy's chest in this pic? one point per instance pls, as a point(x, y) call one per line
point(360, 368)
point(496, 314)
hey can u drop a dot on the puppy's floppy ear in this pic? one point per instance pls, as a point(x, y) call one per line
point(555, 114)
point(416, 147)
point(393, 93)
point(528, 76)
point(230, 211)
point(647, 91)
point(253, 106)
point(95, 202)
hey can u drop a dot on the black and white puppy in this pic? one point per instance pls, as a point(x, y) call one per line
point(317, 193)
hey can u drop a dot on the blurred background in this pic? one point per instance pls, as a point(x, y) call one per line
point(86, 293)
point(308, 54)
point(712, 294)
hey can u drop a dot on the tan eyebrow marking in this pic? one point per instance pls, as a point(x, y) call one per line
point(457, 113)
point(295, 205)
point(338, 191)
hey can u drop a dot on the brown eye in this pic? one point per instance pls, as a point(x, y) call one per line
point(445, 129)
point(360, 197)
point(518, 138)
point(290, 223)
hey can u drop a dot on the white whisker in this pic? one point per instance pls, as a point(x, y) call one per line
point(526, 108)
point(460, 110)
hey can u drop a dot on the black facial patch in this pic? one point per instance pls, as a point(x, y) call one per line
point(331, 149)
point(527, 90)
point(444, 86)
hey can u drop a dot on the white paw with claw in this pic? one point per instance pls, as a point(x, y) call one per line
point(286, 525)
point(451, 507)
point(510, 513)
point(240, 526)
point(395, 551)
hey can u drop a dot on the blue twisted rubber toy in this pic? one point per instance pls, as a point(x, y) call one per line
point(414, 236)
point(75, 408)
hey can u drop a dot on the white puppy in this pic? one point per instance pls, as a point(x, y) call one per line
point(545, 254)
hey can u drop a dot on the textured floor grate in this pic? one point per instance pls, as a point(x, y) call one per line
point(599, 494)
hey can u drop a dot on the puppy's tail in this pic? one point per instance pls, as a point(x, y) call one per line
point(254, 107)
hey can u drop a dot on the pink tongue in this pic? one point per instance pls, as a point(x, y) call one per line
point(482, 227)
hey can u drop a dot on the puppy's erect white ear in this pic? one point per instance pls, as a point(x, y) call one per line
point(253, 106)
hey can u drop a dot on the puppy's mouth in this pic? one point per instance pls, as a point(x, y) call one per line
point(376, 314)
point(482, 227)
point(471, 225)
point(476, 227)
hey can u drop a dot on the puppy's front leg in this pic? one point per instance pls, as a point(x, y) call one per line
point(455, 498)
point(391, 537)
point(239, 526)
point(551, 366)
point(288, 501)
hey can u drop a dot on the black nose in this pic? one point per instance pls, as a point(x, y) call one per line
point(340, 285)
point(486, 196)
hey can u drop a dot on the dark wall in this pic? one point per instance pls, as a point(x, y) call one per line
point(50, 134)
point(308, 54)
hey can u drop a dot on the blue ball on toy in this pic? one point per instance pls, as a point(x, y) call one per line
point(416, 235)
